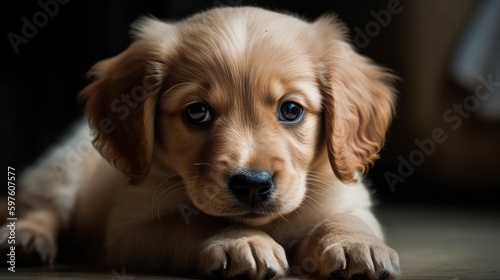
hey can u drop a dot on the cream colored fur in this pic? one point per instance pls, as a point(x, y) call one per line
point(164, 203)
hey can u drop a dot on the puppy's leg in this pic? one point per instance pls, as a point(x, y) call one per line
point(346, 245)
point(45, 201)
point(35, 233)
point(203, 245)
point(43, 205)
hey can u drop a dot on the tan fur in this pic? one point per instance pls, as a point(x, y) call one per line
point(180, 216)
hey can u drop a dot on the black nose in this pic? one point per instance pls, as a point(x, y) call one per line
point(251, 186)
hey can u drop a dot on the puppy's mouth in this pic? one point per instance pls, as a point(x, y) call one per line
point(247, 196)
point(257, 215)
point(253, 218)
point(252, 215)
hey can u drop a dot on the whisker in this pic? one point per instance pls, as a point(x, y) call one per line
point(297, 211)
point(319, 179)
point(283, 217)
point(168, 178)
point(320, 185)
point(319, 191)
point(309, 208)
point(318, 176)
point(154, 200)
point(314, 200)
point(159, 206)
point(158, 187)
point(180, 183)
point(167, 189)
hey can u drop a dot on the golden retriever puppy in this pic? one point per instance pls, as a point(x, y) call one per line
point(228, 144)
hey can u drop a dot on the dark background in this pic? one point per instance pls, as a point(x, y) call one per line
point(41, 81)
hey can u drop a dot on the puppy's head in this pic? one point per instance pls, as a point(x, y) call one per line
point(239, 103)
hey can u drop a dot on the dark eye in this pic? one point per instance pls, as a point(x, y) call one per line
point(198, 113)
point(290, 112)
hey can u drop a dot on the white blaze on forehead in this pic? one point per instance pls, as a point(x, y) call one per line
point(235, 37)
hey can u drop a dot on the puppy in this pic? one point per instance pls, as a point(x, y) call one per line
point(228, 144)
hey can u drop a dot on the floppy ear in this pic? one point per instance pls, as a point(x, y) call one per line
point(358, 99)
point(121, 101)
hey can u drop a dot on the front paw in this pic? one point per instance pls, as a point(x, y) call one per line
point(244, 255)
point(346, 256)
point(30, 239)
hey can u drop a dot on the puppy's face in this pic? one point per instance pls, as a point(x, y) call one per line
point(239, 103)
point(242, 132)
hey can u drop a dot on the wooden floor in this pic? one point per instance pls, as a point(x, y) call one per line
point(433, 243)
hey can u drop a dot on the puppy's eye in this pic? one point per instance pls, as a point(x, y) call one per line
point(290, 112)
point(198, 113)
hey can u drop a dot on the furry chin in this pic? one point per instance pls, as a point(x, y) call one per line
point(253, 222)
